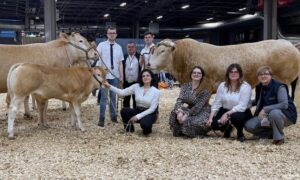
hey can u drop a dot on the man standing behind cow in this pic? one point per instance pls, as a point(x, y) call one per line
point(131, 71)
point(111, 57)
point(146, 54)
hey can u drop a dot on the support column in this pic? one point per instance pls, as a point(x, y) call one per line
point(50, 19)
point(270, 19)
point(27, 26)
point(135, 29)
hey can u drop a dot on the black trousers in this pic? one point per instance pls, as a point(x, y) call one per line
point(238, 119)
point(145, 123)
point(126, 101)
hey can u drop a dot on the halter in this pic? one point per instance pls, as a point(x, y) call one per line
point(84, 50)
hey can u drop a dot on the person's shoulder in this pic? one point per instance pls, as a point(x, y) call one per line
point(246, 84)
point(155, 89)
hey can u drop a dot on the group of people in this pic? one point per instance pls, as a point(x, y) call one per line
point(192, 115)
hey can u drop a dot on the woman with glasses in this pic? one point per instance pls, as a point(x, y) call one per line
point(274, 108)
point(191, 111)
point(147, 99)
point(231, 104)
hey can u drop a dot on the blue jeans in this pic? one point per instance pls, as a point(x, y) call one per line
point(112, 102)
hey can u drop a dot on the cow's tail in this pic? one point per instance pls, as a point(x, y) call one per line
point(9, 79)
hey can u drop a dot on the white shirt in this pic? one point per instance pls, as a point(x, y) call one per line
point(131, 69)
point(150, 100)
point(104, 51)
point(235, 101)
point(146, 53)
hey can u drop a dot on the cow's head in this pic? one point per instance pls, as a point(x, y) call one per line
point(162, 54)
point(81, 48)
point(99, 75)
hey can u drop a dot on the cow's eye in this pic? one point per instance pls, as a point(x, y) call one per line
point(80, 41)
point(162, 51)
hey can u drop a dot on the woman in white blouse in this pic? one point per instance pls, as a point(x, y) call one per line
point(147, 99)
point(232, 103)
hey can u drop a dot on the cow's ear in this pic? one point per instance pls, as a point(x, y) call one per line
point(73, 34)
point(93, 44)
point(63, 36)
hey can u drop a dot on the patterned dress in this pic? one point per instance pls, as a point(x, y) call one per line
point(197, 108)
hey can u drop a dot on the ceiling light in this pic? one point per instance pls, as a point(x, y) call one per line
point(187, 36)
point(185, 6)
point(159, 17)
point(209, 19)
point(231, 12)
point(242, 9)
point(123, 4)
point(106, 15)
point(212, 25)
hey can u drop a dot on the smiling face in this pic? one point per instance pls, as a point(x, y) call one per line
point(196, 74)
point(146, 77)
point(264, 77)
point(234, 74)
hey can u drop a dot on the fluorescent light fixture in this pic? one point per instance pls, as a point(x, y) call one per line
point(185, 6)
point(209, 19)
point(230, 12)
point(187, 35)
point(123, 4)
point(106, 15)
point(242, 9)
point(159, 17)
point(212, 25)
point(248, 16)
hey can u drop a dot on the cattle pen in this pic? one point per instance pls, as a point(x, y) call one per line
point(61, 152)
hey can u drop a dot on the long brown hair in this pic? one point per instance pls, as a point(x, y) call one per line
point(240, 80)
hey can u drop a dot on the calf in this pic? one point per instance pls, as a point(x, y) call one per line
point(44, 82)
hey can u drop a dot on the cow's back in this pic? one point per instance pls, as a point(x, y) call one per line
point(41, 53)
point(280, 55)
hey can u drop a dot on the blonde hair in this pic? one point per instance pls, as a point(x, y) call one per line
point(264, 69)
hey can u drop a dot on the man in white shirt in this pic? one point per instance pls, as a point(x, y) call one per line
point(146, 54)
point(131, 71)
point(111, 57)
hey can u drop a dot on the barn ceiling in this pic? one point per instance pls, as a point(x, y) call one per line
point(91, 12)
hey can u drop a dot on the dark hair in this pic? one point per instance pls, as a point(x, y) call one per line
point(148, 33)
point(241, 78)
point(111, 28)
point(201, 69)
point(140, 79)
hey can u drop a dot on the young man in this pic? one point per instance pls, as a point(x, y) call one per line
point(131, 71)
point(146, 54)
point(111, 57)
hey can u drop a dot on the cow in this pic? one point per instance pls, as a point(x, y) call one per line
point(72, 84)
point(63, 52)
point(180, 56)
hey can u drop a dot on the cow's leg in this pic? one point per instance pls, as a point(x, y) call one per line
point(76, 107)
point(33, 102)
point(73, 115)
point(26, 107)
point(64, 105)
point(12, 112)
point(41, 104)
point(293, 86)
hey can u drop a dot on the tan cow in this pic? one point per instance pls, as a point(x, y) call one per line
point(63, 52)
point(43, 82)
point(180, 56)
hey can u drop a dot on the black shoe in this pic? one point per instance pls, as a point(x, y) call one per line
point(101, 123)
point(241, 138)
point(227, 131)
point(114, 120)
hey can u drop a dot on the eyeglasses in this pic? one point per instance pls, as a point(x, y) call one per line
point(233, 72)
point(264, 74)
point(112, 33)
point(196, 73)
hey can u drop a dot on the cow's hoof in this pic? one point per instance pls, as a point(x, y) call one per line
point(27, 116)
point(11, 137)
